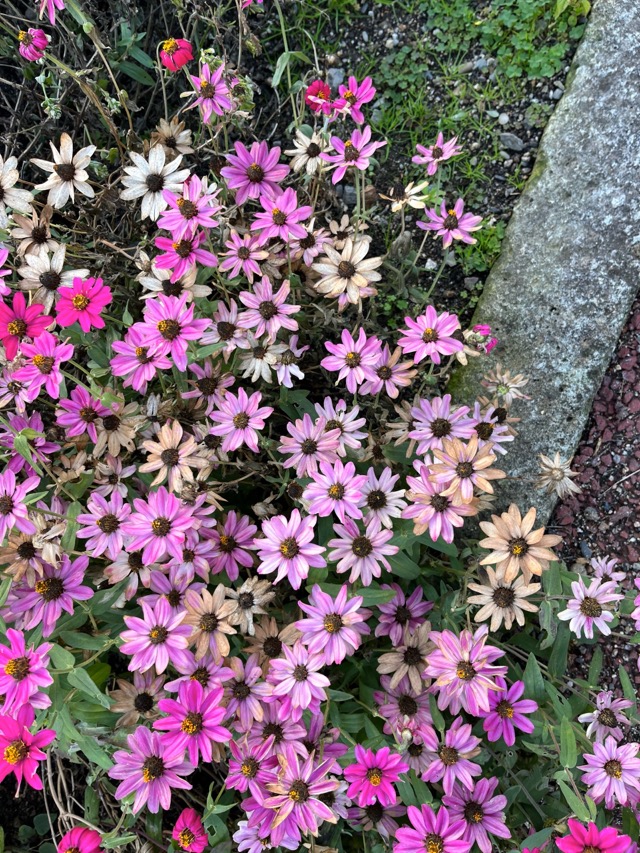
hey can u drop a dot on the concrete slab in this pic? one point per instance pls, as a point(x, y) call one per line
point(560, 292)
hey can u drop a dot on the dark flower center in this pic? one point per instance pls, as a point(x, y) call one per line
point(26, 550)
point(336, 492)
point(333, 424)
point(436, 153)
point(192, 724)
point(448, 755)
point(374, 776)
point(212, 442)
point(246, 600)
point(403, 614)
point(504, 596)
point(346, 269)
point(227, 544)
point(613, 768)
point(187, 208)
point(169, 329)
point(352, 359)
point(439, 503)
point(473, 812)
point(161, 526)
point(249, 768)
point(44, 363)
point(207, 386)
point(17, 327)
point(289, 548)
point(183, 248)
point(201, 675)
point(440, 427)
point(226, 330)
point(108, 523)
point(174, 598)
point(279, 218)
point(450, 222)
point(299, 791)
point(300, 673)
point(433, 843)
point(465, 671)
point(464, 470)
point(272, 647)
point(518, 547)
point(153, 768)
point(332, 623)
point(134, 561)
point(170, 457)
point(50, 280)
point(207, 90)
point(158, 634)
point(255, 173)
point(308, 446)
point(500, 414)
point(274, 729)
point(591, 607)
point(295, 491)
point(88, 414)
point(313, 149)
point(407, 705)
point(155, 183)
point(384, 372)
point(111, 423)
point(429, 336)
point(607, 718)
point(376, 499)
point(17, 668)
point(504, 710)
point(6, 504)
point(241, 420)
point(244, 253)
point(65, 171)
point(39, 234)
point(415, 750)
point(172, 288)
point(484, 430)
point(351, 153)
point(208, 623)
point(267, 310)
point(240, 690)
point(412, 656)
point(49, 588)
point(143, 703)
point(361, 546)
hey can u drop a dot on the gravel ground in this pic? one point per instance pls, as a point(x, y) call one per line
point(605, 518)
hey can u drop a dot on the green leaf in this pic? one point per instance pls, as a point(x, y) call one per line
point(372, 596)
point(281, 64)
point(403, 566)
point(558, 657)
point(568, 749)
point(80, 679)
point(436, 716)
point(118, 840)
point(533, 680)
point(538, 838)
point(136, 72)
point(69, 538)
point(627, 687)
point(89, 642)
point(21, 446)
point(140, 56)
point(575, 803)
point(62, 659)
point(595, 667)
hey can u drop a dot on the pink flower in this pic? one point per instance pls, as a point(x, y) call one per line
point(507, 713)
point(287, 548)
point(267, 313)
point(451, 762)
point(212, 92)
point(239, 419)
point(451, 223)
point(426, 826)
point(353, 96)
point(79, 414)
point(103, 525)
point(243, 255)
point(193, 721)
point(232, 539)
point(247, 692)
point(297, 680)
point(482, 812)
point(346, 421)
point(23, 672)
point(355, 152)
point(612, 773)
point(585, 840)
point(169, 325)
point(13, 510)
point(157, 639)
point(607, 718)
point(150, 769)
point(84, 302)
point(181, 255)
point(51, 6)
point(430, 509)
point(137, 361)
point(175, 53)
point(281, 216)
point(334, 626)
point(431, 335)
point(44, 357)
point(309, 443)
point(192, 210)
point(251, 766)
point(80, 839)
point(363, 554)
point(189, 832)
point(20, 751)
point(388, 375)
point(317, 97)
point(33, 44)
point(255, 172)
point(158, 525)
point(588, 609)
point(335, 488)
point(433, 421)
point(371, 778)
point(401, 613)
point(436, 154)
point(352, 358)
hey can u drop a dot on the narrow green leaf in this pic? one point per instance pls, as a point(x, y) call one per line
point(281, 64)
point(62, 659)
point(79, 678)
point(568, 749)
point(574, 802)
point(627, 687)
point(376, 596)
point(558, 657)
point(595, 667)
point(136, 72)
point(533, 680)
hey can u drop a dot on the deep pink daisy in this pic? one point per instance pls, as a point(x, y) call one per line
point(44, 359)
point(356, 151)
point(583, 839)
point(452, 223)
point(254, 172)
point(481, 811)
point(353, 358)
point(212, 92)
point(158, 525)
point(239, 419)
point(372, 776)
point(182, 255)
point(335, 488)
point(18, 321)
point(169, 325)
point(193, 721)
point(23, 673)
point(281, 217)
point(432, 156)
point(286, 547)
point(507, 713)
point(267, 313)
point(20, 750)
point(83, 303)
point(334, 627)
point(189, 832)
point(308, 444)
point(431, 832)
point(157, 639)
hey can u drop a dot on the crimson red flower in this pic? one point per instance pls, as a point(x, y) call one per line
point(318, 97)
point(175, 53)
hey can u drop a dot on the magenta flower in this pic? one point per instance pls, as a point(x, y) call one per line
point(588, 609)
point(255, 172)
point(451, 763)
point(612, 773)
point(267, 313)
point(507, 713)
point(586, 839)
point(103, 525)
point(433, 421)
point(53, 592)
point(83, 303)
point(335, 488)
point(150, 769)
point(607, 717)
point(40, 448)
point(352, 358)
point(192, 210)
point(401, 613)
point(18, 322)
point(156, 639)
point(209, 384)
point(194, 721)
point(296, 796)
point(20, 750)
point(23, 672)
point(287, 548)
point(354, 96)
point(251, 766)
point(334, 626)
point(175, 53)
point(13, 510)
point(279, 729)
point(296, 678)
point(431, 335)
point(238, 419)
point(464, 671)
point(189, 832)
point(226, 330)
point(372, 776)
point(135, 361)
point(405, 708)
point(281, 217)
point(430, 509)
point(158, 525)
point(81, 839)
point(309, 443)
point(363, 554)
point(356, 152)
point(436, 154)
point(80, 412)
point(243, 255)
point(430, 830)
point(232, 539)
point(212, 92)
point(182, 255)
point(169, 326)
point(451, 223)
point(32, 44)
point(482, 812)
point(50, 6)
point(44, 357)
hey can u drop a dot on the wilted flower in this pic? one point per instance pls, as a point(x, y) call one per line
point(556, 476)
point(502, 600)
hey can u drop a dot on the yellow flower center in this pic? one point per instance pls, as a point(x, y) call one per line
point(80, 302)
point(186, 838)
point(374, 776)
point(15, 752)
point(170, 46)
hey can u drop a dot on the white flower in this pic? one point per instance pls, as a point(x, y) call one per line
point(159, 281)
point(258, 360)
point(306, 152)
point(67, 172)
point(43, 275)
point(9, 197)
point(347, 271)
point(173, 137)
point(149, 178)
